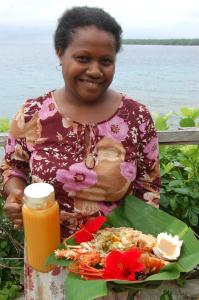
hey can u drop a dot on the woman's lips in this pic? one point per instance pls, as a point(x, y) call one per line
point(90, 83)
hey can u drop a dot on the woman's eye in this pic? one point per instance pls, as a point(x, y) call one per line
point(82, 59)
point(106, 61)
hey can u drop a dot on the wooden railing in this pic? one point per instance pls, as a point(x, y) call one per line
point(182, 136)
point(188, 136)
point(3, 138)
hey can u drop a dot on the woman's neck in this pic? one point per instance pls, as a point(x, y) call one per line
point(69, 97)
point(87, 112)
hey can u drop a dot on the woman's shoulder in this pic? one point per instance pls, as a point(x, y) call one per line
point(134, 106)
point(35, 105)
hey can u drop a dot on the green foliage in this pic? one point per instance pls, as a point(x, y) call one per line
point(161, 122)
point(180, 171)
point(188, 117)
point(4, 124)
point(11, 267)
point(180, 182)
point(9, 291)
point(166, 295)
point(181, 281)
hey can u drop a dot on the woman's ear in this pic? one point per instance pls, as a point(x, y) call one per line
point(59, 53)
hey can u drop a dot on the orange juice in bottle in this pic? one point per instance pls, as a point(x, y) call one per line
point(41, 224)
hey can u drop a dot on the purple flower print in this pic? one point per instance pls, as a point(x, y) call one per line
point(152, 149)
point(10, 146)
point(128, 170)
point(47, 110)
point(30, 147)
point(142, 127)
point(116, 128)
point(107, 208)
point(78, 177)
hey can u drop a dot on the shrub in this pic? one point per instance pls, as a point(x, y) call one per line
point(4, 124)
point(180, 170)
point(11, 269)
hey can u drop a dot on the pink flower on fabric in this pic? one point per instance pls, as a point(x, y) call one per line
point(142, 127)
point(106, 208)
point(47, 110)
point(10, 146)
point(56, 271)
point(30, 147)
point(128, 170)
point(116, 128)
point(152, 149)
point(78, 177)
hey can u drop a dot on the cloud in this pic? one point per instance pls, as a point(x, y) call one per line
point(133, 15)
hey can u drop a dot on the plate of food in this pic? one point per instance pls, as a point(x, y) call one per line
point(134, 247)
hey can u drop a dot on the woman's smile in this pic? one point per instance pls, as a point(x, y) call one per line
point(90, 84)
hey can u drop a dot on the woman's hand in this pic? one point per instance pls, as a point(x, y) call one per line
point(13, 206)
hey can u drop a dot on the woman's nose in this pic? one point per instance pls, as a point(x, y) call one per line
point(94, 70)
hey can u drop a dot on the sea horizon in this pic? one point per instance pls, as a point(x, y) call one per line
point(164, 78)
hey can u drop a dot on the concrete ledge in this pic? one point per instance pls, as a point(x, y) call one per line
point(190, 291)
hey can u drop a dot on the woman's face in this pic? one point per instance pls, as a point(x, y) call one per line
point(88, 64)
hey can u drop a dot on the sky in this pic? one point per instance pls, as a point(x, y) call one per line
point(138, 18)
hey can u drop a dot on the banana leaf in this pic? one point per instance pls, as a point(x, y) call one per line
point(135, 213)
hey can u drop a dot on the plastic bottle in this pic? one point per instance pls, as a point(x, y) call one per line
point(41, 224)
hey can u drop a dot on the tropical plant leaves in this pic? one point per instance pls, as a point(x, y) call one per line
point(187, 122)
point(135, 213)
point(78, 289)
point(150, 220)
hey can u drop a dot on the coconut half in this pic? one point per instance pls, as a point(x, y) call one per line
point(167, 246)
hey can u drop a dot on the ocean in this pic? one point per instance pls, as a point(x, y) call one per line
point(165, 78)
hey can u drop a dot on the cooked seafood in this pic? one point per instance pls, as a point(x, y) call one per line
point(122, 238)
point(89, 257)
point(152, 264)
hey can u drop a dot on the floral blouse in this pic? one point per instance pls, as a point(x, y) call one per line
point(91, 166)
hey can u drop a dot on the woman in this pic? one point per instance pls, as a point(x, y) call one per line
point(93, 144)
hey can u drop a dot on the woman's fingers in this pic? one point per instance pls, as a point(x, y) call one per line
point(12, 210)
point(16, 196)
point(18, 222)
point(14, 217)
point(13, 207)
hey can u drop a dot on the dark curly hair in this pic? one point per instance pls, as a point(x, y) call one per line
point(78, 17)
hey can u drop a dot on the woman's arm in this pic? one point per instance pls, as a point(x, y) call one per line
point(15, 169)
